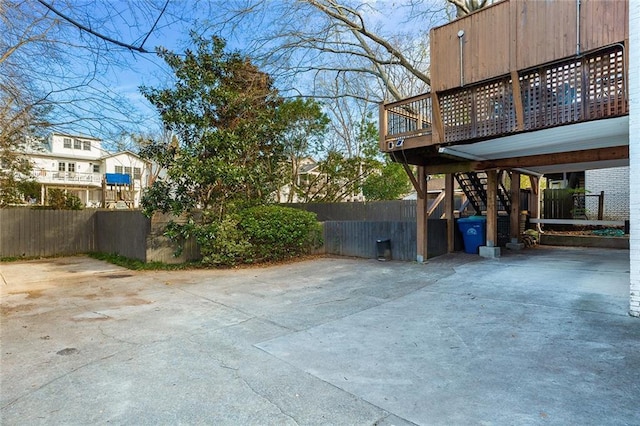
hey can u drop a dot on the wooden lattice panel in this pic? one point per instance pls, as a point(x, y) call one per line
point(564, 86)
point(494, 108)
point(605, 74)
point(457, 115)
point(534, 99)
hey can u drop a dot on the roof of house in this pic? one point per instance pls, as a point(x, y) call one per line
point(75, 136)
point(125, 152)
point(306, 168)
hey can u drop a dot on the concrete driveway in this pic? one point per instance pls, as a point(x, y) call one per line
point(538, 337)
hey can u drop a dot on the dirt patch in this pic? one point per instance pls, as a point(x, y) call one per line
point(67, 351)
point(18, 308)
point(115, 276)
point(34, 294)
point(91, 316)
point(136, 301)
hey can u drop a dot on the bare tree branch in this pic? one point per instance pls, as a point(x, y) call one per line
point(82, 27)
point(155, 24)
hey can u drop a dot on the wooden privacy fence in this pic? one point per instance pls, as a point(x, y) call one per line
point(350, 229)
point(27, 232)
point(569, 204)
point(359, 238)
point(353, 229)
point(379, 211)
point(32, 233)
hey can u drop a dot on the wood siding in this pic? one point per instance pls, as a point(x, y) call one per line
point(521, 34)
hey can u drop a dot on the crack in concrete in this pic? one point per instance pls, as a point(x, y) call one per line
point(233, 308)
point(109, 336)
point(55, 379)
point(385, 417)
point(331, 301)
point(266, 399)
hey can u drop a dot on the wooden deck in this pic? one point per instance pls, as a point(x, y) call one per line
point(577, 89)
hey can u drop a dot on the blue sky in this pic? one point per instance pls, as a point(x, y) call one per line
point(130, 20)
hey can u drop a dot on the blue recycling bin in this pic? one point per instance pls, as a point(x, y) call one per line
point(474, 231)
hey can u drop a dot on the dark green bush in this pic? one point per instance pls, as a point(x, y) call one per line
point(255, 234)
point(60, 200)
point(277, 233)
point(223, 243)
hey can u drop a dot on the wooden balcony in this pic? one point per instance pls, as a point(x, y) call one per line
point(578, 89)
point(67, 178)
point(514, 72)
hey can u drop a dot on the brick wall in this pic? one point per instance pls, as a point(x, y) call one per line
point(615, 184)
point(634, 154)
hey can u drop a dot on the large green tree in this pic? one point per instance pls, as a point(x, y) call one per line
point(224, 113)
point(306, 129)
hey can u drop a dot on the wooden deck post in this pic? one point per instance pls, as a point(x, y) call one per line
point(448, 212)
point(534, 201)
point(601, 205)
point(514, 214)
point(383, 126)
point(421, 216)
point(492, 208)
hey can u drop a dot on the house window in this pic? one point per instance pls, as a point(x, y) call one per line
point(127, 171)
point(137, 173)
point(86, 145)
point(66, 142)
point(96, 168)
point(71, 167)
point(77, 144)
point(119, 169)
point(61, 167)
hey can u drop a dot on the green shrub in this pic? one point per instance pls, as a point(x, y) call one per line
point(60, 200)
point(256, 234)
point(277, 233)
point(223, 243)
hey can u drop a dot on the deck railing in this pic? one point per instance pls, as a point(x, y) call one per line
point(47, 176)
point(409, 117)
point(584, 88)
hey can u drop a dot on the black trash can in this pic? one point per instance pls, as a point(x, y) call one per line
point(383, 249)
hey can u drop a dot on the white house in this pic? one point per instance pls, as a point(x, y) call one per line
point(80, 166)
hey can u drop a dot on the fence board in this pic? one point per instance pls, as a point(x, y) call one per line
point(359, 238)
point(123, 232)
point(381, 211)
point(32, 233)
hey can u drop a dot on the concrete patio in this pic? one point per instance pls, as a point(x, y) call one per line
point(536, 337)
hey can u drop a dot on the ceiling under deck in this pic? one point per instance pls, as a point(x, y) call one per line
point(598, 134)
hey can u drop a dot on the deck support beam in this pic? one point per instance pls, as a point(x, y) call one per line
point(414, 181)
point(583, 156)
point(421, 216)
point(448, 212)
point(634, 156)
point(514, 214)
point(491, 249)
point(492, 208)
